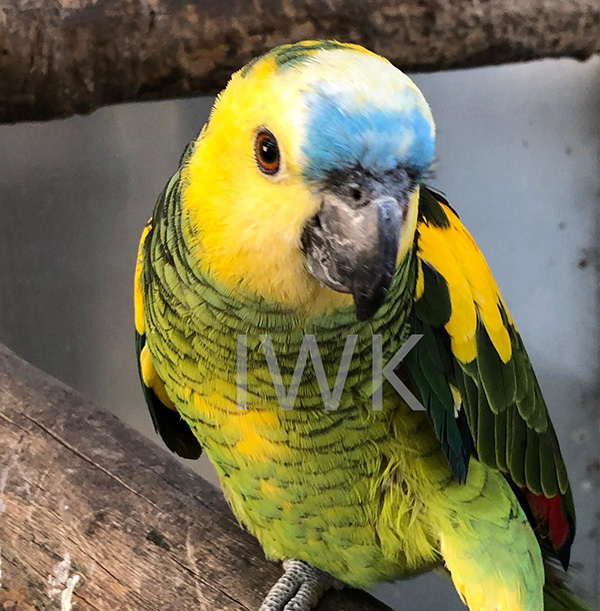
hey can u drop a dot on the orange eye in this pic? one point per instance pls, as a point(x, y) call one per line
point(266, 151)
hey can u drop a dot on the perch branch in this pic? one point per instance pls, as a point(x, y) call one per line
point(62, 57)
point(95, 517)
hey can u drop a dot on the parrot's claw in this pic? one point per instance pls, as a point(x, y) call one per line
point(299, 588)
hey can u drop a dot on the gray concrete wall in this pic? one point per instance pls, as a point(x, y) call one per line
point(518, 157)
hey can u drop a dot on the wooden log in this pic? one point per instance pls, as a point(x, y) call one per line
point(94, 517)
point(61, 57)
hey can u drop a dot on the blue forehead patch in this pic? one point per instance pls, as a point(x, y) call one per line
point(340, 137)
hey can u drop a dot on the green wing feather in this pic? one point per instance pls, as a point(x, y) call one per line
point(168, 423)
point(174, 431)
point(507, 422)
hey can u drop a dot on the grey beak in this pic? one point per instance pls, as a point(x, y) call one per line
point(351, 246)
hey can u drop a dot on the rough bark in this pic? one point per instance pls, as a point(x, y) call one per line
point(94, 514)
point(62, 57)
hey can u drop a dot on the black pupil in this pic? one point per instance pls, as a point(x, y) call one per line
point(268, 151)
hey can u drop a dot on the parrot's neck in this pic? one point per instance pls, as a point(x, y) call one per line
point(226, 333)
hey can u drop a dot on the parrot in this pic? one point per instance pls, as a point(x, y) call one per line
point(300, 223)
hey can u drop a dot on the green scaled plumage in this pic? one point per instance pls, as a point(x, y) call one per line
point(286, 496)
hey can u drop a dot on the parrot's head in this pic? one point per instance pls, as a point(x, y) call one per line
point(303, 185)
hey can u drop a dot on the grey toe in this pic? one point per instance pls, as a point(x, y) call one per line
point(299, 588)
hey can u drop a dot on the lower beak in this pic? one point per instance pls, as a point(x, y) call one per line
point(353, 248)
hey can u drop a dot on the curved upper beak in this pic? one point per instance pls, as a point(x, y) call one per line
point(351, 244)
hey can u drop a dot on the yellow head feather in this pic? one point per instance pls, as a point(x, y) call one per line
point(245, 226)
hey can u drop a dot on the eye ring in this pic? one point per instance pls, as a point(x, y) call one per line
point(266, 152)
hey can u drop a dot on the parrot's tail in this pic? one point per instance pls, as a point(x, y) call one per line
point(558, 596)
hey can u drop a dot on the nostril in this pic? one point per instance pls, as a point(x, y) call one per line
point(356, 194)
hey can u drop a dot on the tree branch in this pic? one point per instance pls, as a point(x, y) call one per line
point(62, 57)
point(94, 514)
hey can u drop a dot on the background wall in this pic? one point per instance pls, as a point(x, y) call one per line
point(518, 157)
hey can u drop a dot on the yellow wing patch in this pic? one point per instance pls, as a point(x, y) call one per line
point(151, 379)
point(453, 253)
point(138, 298)
point(149, 374)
